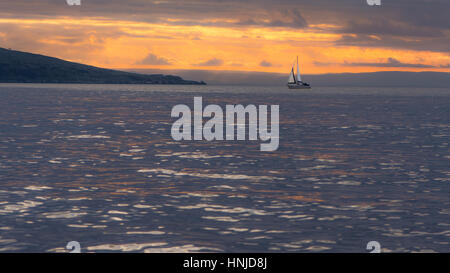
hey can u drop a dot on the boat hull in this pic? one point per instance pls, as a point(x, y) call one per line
point(298, 86)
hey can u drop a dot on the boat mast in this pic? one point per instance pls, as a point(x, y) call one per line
point(298, 72)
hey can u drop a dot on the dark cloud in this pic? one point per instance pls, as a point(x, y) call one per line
point(152, 59)
point(391, 62)
point(212, 62)
point(323, 64)
point(406, 24)
point(438, 44)
point(294, 13)
point(186, 12)
point(289, 18)
point(390, 27)
point(265, 64)
point(414, 24)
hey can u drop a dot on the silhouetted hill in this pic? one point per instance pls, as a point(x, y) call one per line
point(22, 67)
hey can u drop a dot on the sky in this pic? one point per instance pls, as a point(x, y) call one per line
point(329, 36)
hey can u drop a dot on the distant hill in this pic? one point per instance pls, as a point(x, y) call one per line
point(384, 79)
point(22, 67)
point(375, 79)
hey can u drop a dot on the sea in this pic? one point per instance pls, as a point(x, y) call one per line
point(97, 165)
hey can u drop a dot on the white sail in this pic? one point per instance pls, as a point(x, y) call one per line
point(295, 81)
point(291, 77)
point(298, 72)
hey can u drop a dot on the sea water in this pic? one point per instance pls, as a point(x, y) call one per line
point(96, 164)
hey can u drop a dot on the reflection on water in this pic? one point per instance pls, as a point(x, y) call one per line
point(81, 163)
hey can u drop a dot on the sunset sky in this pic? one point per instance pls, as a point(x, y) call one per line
point(329, 36)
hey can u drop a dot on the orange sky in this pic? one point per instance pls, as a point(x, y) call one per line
point(125, 44)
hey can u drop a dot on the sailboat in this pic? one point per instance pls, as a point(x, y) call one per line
point(296, 82)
